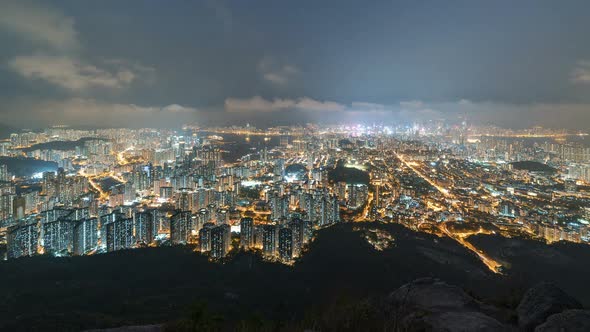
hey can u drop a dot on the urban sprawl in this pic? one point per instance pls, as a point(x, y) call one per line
point(221, 190)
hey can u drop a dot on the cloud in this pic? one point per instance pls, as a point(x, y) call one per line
point(361, 106)
point(308, 104)
point(259, 104)
point(39, 24)
point(175, 108)
point(411, 104)
point(88, 111)
point(581, 73)
point(508, 115)
point(72, 74)
point(275, 72)
point(421, 114)
point(57, 58)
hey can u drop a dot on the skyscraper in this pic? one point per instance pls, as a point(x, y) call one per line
point(220, 241)
point(205, 237)
point(4, 176)
point(269, 240)
point(58, 236)
point(180, 227)
point(286, 244)
point(22, 240)
point(85, 236)
point(119, 234)
point(143, 227)
point(246, 233)
point(296, 226)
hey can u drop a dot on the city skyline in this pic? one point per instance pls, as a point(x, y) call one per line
point(225, 62)
point(76, 192)
point(263, 165)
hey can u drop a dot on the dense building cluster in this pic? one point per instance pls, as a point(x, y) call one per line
point(121, 189)
point(227, 189)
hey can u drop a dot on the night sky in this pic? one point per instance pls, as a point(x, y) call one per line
point(164, 63)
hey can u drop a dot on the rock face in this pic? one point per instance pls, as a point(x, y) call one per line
point(540, 302)
point(569, 320)
point(432, 305)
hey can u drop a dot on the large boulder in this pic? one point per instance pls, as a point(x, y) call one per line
point(540, 302)
point(451, 321)
point(136, 328)
point(433, 305)
point(570, 320)
point(432, 294)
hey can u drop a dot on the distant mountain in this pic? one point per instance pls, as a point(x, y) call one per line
point(533, 166)
point(61, 145)
point(21, 166)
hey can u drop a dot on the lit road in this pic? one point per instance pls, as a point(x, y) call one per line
point(460, 237)
point(489, 262)
point(442, 190)
point(91, 180)
point(365, 214)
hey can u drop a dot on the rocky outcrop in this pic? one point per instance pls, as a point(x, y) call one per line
point(540, 302)
point(569, 320)
point(432, 305)
point(451, 321)
point(138, 328)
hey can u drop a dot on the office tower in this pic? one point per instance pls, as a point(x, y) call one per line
point(246, 233)
point(180, 227)
point(143, 227)
point(55, 214)
point(307, 231)
point(22, 240)
point(297, 228)
point(285, 244)
point(258, 231)
point(220, 241)
point(166, 192)
point(222, 216)
point(4, 176)
point(184, 202)
point(205, 237)
point(308, 204)
point(279, 206)
point(334, 209)
point(279, 168)
point(129, 192)
point(324, 211)
point(6, 206)
point(119, 234)
point(48, 184)
point(85, 236)
point(269, 240)
point(79, 214)
point(58, 236)
point(202, 216)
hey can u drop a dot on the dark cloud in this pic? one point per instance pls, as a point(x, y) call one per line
point(514, 64)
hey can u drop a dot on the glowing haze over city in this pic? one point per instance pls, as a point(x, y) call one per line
point(220, 139)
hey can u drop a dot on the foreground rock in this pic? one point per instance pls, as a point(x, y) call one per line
point(432, 305)
point(542, 301)
point(139, 328)
point(569, 320)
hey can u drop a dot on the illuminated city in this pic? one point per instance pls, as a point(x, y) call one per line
point(287, 166)
point(113, 189)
